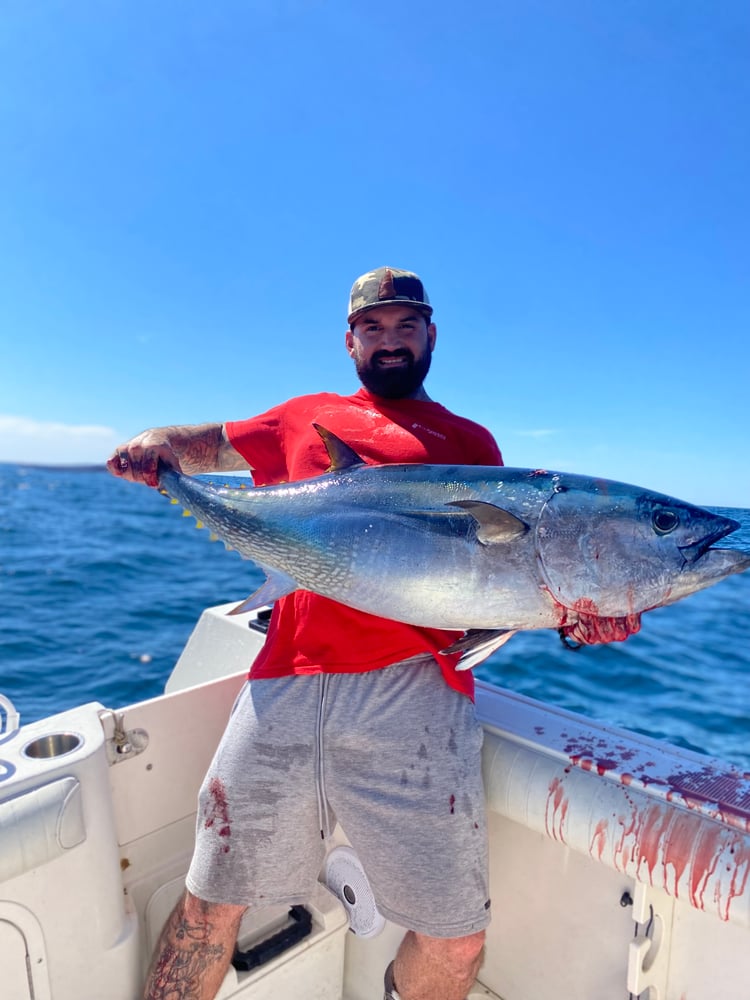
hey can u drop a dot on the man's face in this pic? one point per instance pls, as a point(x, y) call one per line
point(391, 347)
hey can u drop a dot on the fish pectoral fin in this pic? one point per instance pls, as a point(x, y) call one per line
point(342, 457)
point(477, 644)
point(277, 585)
point(493, 523)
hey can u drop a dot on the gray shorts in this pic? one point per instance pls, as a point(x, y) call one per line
point(393, 754)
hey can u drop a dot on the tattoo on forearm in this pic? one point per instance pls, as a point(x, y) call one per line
point(196, 447)
point(204, 448)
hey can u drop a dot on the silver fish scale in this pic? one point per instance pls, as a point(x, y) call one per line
point(467, 547)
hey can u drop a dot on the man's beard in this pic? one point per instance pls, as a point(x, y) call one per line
point(394, 383)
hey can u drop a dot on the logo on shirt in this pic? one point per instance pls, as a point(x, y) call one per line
point(428, 430)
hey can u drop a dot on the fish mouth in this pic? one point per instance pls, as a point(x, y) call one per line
point(722, 527)
point(716, 565)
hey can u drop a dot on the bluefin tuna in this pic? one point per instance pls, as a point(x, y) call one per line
point(485, 550)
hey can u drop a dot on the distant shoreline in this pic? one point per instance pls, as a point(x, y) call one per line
point(62, 467)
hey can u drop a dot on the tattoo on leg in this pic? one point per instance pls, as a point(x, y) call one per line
point(185, 956)
point(178, 972)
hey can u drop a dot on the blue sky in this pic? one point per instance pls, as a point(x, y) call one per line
point(189, 189)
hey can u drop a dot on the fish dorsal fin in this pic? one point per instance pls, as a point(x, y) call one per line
point(341, 455)
point(493, 523)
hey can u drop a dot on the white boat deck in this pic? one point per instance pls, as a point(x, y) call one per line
point(619, 864)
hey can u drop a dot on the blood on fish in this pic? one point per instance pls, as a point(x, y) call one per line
point(586, 606)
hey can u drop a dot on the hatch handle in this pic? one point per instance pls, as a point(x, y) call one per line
point(277, 943)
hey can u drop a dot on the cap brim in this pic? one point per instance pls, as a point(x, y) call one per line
point(419, 306)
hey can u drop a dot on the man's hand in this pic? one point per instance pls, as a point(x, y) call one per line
point(138, 459)
point(189, 448)
point(590, 629)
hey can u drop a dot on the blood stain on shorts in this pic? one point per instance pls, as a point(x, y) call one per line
point(217, 811)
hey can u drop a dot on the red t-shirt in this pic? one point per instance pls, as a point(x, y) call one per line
point(312, 634)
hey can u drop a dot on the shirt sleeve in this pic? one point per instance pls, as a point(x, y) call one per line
point(260, 441)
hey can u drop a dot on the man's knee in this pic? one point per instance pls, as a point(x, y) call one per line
point(459, 953)
point(465, 950)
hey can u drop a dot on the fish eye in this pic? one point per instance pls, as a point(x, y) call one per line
point(664, 521)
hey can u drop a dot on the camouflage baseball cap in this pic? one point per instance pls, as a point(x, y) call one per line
point(387, 286)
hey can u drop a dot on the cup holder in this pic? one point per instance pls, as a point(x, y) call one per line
point(52, 745)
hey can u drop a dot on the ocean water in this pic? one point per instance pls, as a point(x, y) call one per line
point(101, 583)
